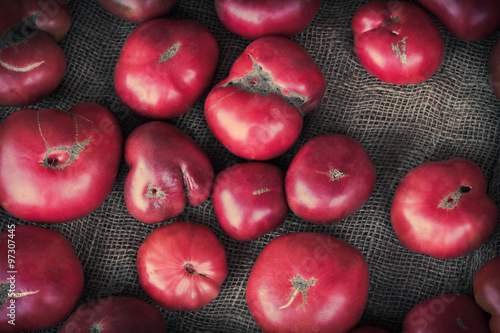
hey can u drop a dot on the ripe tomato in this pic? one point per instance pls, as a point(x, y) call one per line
point(137, 11)
point(487, 291)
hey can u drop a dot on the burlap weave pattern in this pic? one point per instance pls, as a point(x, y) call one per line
point(453, 114)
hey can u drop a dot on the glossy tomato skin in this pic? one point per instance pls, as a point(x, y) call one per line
point(165, 66)
point(308, 282)
point(168, 171)
point(115, 314)
point(397, 42)
point(249, 200)
point(487, 291)
point(451, 313)
point(257, 111)
point(46, 280)
point(182, 266)
point(58, 166)
point(31, 63)
point(137, 11)
point(254, 19)
point(470, 20)
point(494, 68)
point(330, 178)
point(442, 209)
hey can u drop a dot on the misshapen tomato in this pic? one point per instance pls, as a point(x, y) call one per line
point(43, 282)
point(487, 291)
point(58, 166)
point(257, 111)
point(137, 11)
point(182, 266)
point(308, 282)
point(442, 209)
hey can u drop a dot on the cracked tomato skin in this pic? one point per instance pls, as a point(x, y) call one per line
point(487, 291)
point(165, 66)
point(453, 313)
point(47, 270)
point(329, 178)
point(249, 200)
point(115, 314)
point(257, 111)
point(308, 282)
point(167, 171)
point(397, 42)
point(442, 209)
point(137, 11)
point(254, 19)
point(182, 266)
point(470, 20)
point(31, 63)
point(58, 166)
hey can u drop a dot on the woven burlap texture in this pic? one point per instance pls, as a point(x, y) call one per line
point(453, 114)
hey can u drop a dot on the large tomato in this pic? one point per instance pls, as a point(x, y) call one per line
point(330, 178)
point(451, 313)
point(168, 171)
point(58, 166)
point(249, 200)
point(308, 282)
point(257, 111)
point(487, 291)
point(182, 266)
point(115, 314)
point(397, 42)
point(442, 209)
point(258, 18)
point(470, 20)
point(137, 11)
point(41, 278)
point(31, 63)
point(165, 66)
point(494, 68)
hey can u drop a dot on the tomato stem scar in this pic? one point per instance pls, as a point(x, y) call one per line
point(451, 200)
point(168, 54)
point(299, 284)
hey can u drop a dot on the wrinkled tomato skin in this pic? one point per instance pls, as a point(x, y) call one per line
point(31, 62)
point(470, 20)
point(47, 269)
point(249, 200)
point(255, 19)
point(115, 314)
point(487, 291)
point(329, 178)
point(165, 66)
point(58, 166)
point(168, 170)
point(137, 11)
point(333, 273)
point(397, 42)
point(257, 111)
point(442, 209)
point(182, 266)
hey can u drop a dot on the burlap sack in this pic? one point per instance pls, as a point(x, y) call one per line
point(453, 114)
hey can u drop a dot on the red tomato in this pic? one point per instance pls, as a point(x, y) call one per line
point(494, 68)
point(257, 111)
point(165, 66)
point(442, 209)
point(182, 266)
point(115, 315)
point(258, 18)
point(330, 178)
point(41, 278)
point(308, 282)
point(249, 200)
point(487, 291)
point(168, 171)
point(31, 63)
point(471, 20)
point(397, 42)
point(58, 166)
point(137, 11)
point(451, 313)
